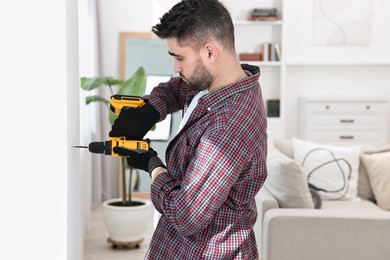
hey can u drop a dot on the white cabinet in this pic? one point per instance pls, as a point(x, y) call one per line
point(344, 121)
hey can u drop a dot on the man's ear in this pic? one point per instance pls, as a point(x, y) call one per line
point(211, 52)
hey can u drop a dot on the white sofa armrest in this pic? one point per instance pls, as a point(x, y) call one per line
point(299, 234)
point(264, 202)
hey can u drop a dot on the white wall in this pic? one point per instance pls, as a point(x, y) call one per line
point(357, 71)
point(121, 16)
point(39, 112)
point(76, 202)
point(297, 23)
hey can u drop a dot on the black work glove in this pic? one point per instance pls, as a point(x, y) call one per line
point(144, 160)
point(134, 123)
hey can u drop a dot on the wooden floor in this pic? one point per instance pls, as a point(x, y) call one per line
point(96, 246)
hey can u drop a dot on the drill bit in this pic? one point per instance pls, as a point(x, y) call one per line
point(79, 146)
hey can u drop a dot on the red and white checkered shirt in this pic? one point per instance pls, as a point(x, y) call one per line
point(215, 167)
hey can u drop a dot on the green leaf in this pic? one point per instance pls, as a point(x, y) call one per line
point(112, 117)
point(135, 85)
point(113, 82)
point(93, 83)
point(96, 98)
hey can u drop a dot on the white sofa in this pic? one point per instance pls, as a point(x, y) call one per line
point(288, 227)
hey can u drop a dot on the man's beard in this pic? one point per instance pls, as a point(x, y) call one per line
point(200, 79)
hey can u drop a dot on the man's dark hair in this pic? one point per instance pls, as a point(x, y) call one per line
point(194, 22)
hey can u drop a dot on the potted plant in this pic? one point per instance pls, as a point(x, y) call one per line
point(124, 217)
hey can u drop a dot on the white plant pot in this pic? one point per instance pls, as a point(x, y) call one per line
point(126, 224)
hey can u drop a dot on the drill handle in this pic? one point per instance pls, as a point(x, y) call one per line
point(119, 102)
point(135, 145)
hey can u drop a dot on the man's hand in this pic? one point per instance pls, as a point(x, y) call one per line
point(134, 123)
point(144, 160)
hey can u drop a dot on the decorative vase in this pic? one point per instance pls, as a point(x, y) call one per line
point(126, 224)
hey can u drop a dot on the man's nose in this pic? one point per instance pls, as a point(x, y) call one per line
point(176, 67)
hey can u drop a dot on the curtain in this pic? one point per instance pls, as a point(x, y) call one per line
point(90, 115)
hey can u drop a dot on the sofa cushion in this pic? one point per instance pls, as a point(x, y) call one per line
point(286, 181)
point(332, 169)
point(377, 166)
point(364, 185)
point(285, 146)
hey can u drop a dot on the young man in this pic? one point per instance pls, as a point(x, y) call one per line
point(216, 164)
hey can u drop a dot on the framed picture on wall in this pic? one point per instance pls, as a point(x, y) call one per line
point(345, 22)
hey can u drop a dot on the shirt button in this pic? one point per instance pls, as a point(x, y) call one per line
point(209, 108)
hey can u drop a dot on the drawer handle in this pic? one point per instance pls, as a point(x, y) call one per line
point(347, 120)
point(347, 137)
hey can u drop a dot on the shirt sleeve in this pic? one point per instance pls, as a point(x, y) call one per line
point(168, 97)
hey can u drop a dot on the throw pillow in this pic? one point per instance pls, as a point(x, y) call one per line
point(364, 185)
point(333, 170)
point(286, 181)
point(285, 146)
point(378, 169)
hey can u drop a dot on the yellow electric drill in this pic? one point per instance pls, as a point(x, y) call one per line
point(117, 103)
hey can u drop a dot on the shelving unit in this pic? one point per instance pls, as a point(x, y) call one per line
point(271, 71)
point(336, 71)
point(250, 36)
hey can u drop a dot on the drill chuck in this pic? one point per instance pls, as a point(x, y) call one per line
point(101, 147)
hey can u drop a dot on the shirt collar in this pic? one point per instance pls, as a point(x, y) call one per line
point(212, 99)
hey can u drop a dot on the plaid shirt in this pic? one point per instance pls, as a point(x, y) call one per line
point(215, 166)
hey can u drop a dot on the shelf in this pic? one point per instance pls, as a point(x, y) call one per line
point(263, 63)
point(336, 63)
point(274, 119)
point(248, 22)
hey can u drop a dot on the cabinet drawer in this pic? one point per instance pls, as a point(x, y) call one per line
point(346, 120)
point(369, 137)
point(356, 107)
